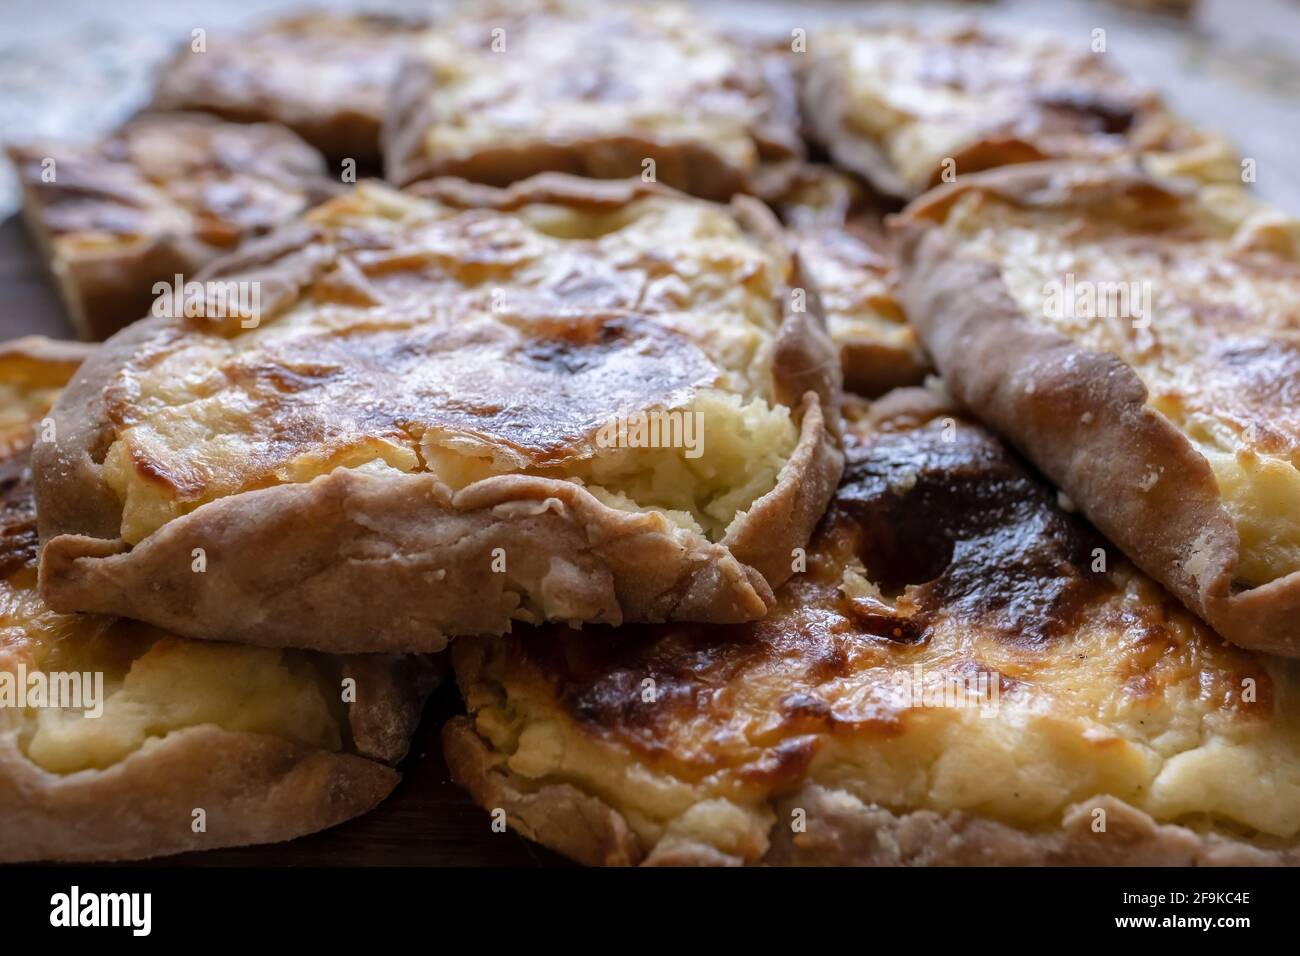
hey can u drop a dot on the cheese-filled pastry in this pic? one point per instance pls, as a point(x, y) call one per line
point(161, 197)
point(568, 400)
point(501, 91)
point(908, 107)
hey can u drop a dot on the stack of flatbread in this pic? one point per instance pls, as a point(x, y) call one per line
point(872, 445)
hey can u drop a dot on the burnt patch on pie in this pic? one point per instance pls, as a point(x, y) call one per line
point(18, 541)
point(948, 510)
point(949, 525)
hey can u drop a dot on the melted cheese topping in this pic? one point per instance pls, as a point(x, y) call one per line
point(561, 72)
point(1154, 717)
point(476, 343)
point(1205, 307)
point(925, 96)
point(694, 732)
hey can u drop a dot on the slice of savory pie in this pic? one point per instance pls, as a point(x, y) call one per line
point(903, 106)
point(963, 674)
point(504, 90)
point(848, 257)
point(164, 195)
point(120, 741)
point(1139, 340)
point(570, 400)
point(324, 75)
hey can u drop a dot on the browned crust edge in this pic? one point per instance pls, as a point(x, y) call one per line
point(1081, 416)
point(692, 167)
point(841, 830)
point(559, 816)
point(391, 591)
point(253, 788)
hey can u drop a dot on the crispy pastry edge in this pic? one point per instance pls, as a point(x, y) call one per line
point(841, 830)
point(254, 788)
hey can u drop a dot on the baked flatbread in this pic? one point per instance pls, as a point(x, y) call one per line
point(965, 674)
point(193, 745)
point(838, 230)
point(163, 196)
point(910, 107)
point(500, 91)
point(324, 75)
point(570, 400)
point(1139, 340)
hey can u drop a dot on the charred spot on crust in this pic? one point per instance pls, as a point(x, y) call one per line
point(886, 623)
point(954, 513)
point(18, 541)
point(579, 346)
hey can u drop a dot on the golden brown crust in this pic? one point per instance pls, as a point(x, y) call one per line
point(1084, 416)
point(324, 75)
point(546, 73)
point(422, 554)
point(164, 195)
point(897, 105)
point(253, 789)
